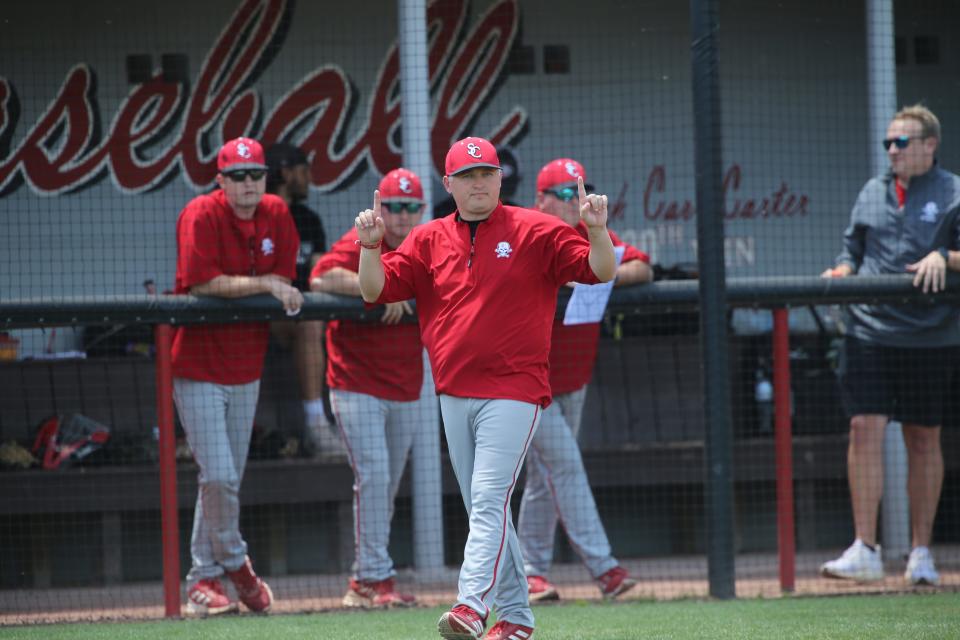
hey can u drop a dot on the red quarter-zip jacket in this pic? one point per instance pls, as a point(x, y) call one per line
point(486, 307)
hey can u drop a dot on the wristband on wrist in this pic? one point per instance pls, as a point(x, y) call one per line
point(370, 245)
point(945, 254)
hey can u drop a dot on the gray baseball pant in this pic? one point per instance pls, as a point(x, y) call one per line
point(488, 440)
point(557, 484)
point(378, 434)
point(218, 421)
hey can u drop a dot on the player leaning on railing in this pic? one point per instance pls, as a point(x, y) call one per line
point(375, 374)
point(231, 243)
point(556, 484)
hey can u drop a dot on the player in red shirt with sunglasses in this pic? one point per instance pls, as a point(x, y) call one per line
point(556, 480)
point(231, 243)
point(375, 375)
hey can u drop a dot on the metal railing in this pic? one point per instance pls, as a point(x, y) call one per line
point(778, 294)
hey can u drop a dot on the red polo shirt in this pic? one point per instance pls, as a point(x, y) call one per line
point(573, 349)
point(213, 241)
point(486, 310)
point(382, 360)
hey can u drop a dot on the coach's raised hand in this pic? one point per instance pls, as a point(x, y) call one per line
point(593, 212)
point(370, 230)
point(593, 207)
point(370, 227)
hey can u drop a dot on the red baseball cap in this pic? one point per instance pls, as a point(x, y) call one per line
point(471, 153)
point(241, 153)
point(401, 184)
point(560, 173)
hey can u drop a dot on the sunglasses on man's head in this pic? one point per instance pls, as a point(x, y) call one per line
point(400, 207)
point(240, 176)
point(902, 142)
point(566, 194)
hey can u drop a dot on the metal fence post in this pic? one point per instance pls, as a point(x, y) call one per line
point(783, 446)
point(882, 98)
point(169, 524)
point(718, 481)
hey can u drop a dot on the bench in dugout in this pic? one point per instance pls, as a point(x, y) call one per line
point(633, 438)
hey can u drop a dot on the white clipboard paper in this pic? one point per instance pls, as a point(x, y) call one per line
point(589, 301)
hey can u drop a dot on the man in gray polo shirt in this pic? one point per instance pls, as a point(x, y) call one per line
point(897, 359)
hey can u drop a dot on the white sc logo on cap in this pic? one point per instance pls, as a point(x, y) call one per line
point(473, 150)
point(243, 150)
point(405, 184)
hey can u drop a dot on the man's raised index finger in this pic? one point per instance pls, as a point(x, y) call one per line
point(376, 202)
point(581, 189)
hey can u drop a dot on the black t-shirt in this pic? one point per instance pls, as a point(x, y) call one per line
point(312, 240)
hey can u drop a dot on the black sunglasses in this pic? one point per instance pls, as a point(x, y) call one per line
point(902, 142)
point(400, 207)
point(566, 194)
point(240, 176)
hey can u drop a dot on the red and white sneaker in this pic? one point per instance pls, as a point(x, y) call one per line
point(371, 595)
point(207, 598)
point(461, 623)
point(504, 630)
point(253, 591)
point(541, 590)
point(615, 582)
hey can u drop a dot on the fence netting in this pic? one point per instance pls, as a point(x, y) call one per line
point(322, 436)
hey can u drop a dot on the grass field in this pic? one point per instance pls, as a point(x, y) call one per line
point(899, 617)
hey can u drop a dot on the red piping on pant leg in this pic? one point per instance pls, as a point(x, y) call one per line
point(356, 477)
point(506, 502)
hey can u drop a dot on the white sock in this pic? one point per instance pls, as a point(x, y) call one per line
point(313, 409)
